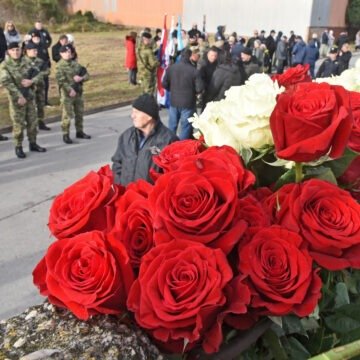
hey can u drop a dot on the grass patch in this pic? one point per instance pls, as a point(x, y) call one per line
point(104, 53)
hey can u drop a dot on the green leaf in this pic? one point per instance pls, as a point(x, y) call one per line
point(350, 337)
point(277, 320)
point(342, 295)
point(246, 154)
point(296, 350)
point(321, 172)
point(231, 334)
point(352, 281)
point(309, 323)
point(288, 177)
point(346, 319)
point(339, 166)
point(292, 325)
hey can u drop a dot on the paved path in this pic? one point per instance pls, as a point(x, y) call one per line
point(27, 188)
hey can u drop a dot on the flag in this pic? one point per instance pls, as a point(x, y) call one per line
point(164, 63)
point(179, 38)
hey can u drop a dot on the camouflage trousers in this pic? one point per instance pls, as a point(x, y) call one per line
point(72, 108)
point(148, 83)
point(23, 117)
point(40, 103)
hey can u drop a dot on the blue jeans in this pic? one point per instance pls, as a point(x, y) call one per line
point(177, 114)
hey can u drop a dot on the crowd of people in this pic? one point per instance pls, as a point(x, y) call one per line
point(199, 71)
point(24, 73)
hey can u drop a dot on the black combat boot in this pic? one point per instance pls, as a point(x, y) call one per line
point(82, 135)
point(42, 126)
point(3, 137)
point(66, 139)
point(36, 147)
point(20, 152)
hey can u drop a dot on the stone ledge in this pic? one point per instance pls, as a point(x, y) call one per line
point(44, 332)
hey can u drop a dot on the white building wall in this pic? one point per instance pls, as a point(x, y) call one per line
point(243, 16)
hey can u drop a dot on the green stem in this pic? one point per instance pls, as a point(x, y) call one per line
point(298, 172)
point(344, 352)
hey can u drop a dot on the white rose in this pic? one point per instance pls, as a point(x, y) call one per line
point(241, 120)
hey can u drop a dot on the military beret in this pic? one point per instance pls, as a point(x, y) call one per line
point(333, 50)
point(247, 51)
point(146, 35)
point(64, 48)
point(35, 33)
point(13, 45)
point(30, 45)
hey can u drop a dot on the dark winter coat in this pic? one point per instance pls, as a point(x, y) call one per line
point(311, 53)
point(344, 60)
point(55, 52)
point(3, 45)
point(131, 163)
point(248, 68)
point(130, 58)
point(298, 53)
point(328, 68)
point(183, 82)
point(45, 37)
point(225, 76)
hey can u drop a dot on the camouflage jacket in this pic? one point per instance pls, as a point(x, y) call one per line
point(41, 70)
point(12, 72)
point(147, 62)
point(65, 72)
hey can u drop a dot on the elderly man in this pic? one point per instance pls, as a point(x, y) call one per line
point(137, 145)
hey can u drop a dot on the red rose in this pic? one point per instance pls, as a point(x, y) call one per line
point(179, 293)
point(199, 201)
point(252, 211)
point(293, 76)
point(177, 151)
point(354, 140)
point(133, 221)
point(311, 121)
point(279, 273)
point(327, 218)
point(351, 178)
point(88, 274)
point(85, 205)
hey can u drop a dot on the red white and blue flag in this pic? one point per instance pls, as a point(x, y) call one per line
point(164, 60)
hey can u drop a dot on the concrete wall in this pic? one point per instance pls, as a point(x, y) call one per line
point(238, 15)
point(131, 12)
point(245, 16)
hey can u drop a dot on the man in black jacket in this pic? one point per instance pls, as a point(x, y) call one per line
point(55, 50)
point(184, 83)
point(137, 145)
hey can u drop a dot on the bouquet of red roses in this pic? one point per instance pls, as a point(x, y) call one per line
point(257, 253)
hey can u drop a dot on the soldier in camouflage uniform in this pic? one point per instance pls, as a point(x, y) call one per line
point(15, 76)
point(147, 64)
point(70, 75)
point(43, 69)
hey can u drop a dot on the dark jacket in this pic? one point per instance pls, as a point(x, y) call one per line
point(344, 60)
point(298, 52)
point(328, 68)
point(270, 45)
point(43, 53)
point(311, 53)
point(249, 68)
point(225, 76)
point(55, 52)
point(131, 163)
point(45, 37)
point(206, 71)
point(3, 46)
point(183, 82)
